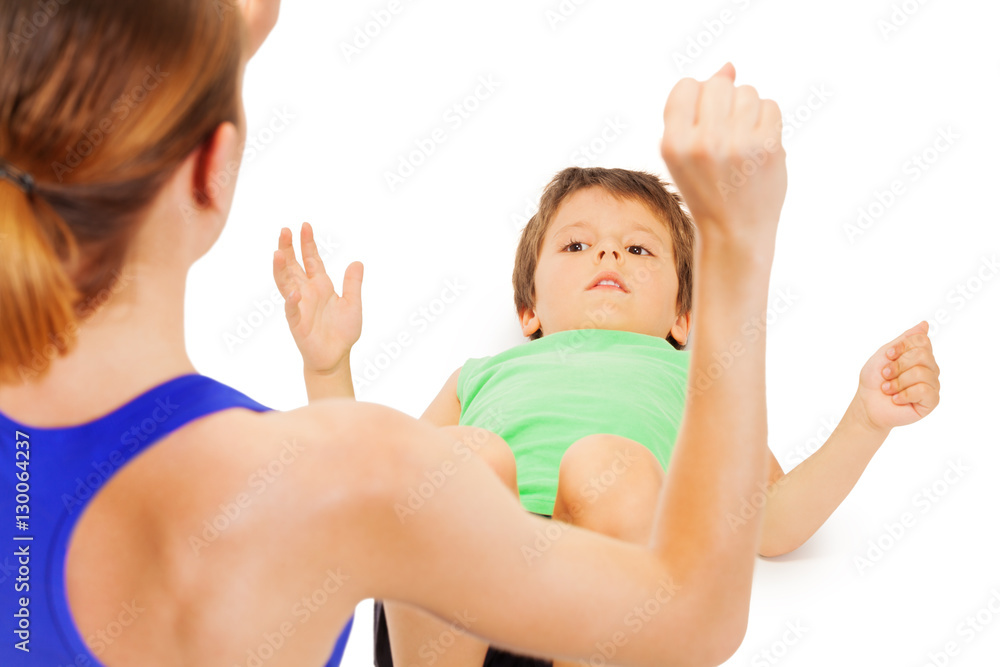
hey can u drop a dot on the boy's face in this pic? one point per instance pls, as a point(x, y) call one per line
point(595, 236)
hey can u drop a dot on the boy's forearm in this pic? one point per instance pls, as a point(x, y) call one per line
point(803, 499)
point(719, 457)
point(336, 384)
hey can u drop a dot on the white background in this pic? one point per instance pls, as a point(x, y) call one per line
point(457, 219)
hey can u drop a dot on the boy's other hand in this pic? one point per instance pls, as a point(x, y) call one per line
point(325, 326)
point(722, 146)
point(899, 384)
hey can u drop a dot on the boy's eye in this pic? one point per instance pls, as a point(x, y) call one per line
point(572, 246)
point(578, 246)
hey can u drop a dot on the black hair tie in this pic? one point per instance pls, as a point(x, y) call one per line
point(21, 179)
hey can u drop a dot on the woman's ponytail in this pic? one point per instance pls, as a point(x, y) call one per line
point(37, 297)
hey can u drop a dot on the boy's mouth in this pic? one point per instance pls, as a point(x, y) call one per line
point(608, 280)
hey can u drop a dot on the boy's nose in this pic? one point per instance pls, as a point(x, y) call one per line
point(605, 250)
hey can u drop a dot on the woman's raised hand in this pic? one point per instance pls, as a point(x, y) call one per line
point(722, 146)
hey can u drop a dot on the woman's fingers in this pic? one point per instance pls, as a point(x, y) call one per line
point(728, 70)
point(746, 107)
point(770, 119)
point(681, 108)
point(729, 169)
point(716, 100)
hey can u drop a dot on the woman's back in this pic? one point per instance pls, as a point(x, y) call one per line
point(126, 485)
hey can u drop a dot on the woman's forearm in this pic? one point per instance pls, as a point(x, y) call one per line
point(719, 457)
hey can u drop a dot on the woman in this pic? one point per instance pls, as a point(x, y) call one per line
point(160, 517)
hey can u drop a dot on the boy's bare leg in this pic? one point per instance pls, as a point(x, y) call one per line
point(491, 448)
point(609, 484)
point(418, 638)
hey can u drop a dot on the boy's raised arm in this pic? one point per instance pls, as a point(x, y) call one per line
point(897, 386)
point(445, 409)
point(325, 326)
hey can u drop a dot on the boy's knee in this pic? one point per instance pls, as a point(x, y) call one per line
point(608, 468)
point(491, 448)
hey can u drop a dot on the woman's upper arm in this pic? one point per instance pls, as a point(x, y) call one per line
point(445, 409)
point(385, 503)
point(536, 585)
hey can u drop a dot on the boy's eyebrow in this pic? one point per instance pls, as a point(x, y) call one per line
point(586, 224)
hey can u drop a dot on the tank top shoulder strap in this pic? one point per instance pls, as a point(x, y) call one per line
point(171, 405)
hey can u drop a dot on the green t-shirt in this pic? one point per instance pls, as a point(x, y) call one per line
point(546, 394)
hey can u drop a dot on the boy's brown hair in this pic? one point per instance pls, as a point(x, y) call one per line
point(640, 186)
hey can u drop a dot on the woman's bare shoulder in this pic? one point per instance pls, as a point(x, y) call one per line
point(340, 436)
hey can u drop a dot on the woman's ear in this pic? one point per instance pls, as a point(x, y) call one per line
point(217, 164)
point(205, 182)
point(203, 186)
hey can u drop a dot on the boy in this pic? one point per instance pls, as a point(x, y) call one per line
point(580, 421)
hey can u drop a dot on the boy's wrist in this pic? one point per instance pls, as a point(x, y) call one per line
point(856, 413)
point(344, 365)
point(336, 382)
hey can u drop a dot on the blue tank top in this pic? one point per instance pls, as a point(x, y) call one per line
point(47, 477)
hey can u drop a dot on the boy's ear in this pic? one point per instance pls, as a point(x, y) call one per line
point(682, 328)
point(529, 322)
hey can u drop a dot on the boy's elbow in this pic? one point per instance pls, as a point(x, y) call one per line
point(777, 538)
point(770, 551)
point(777, 546)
